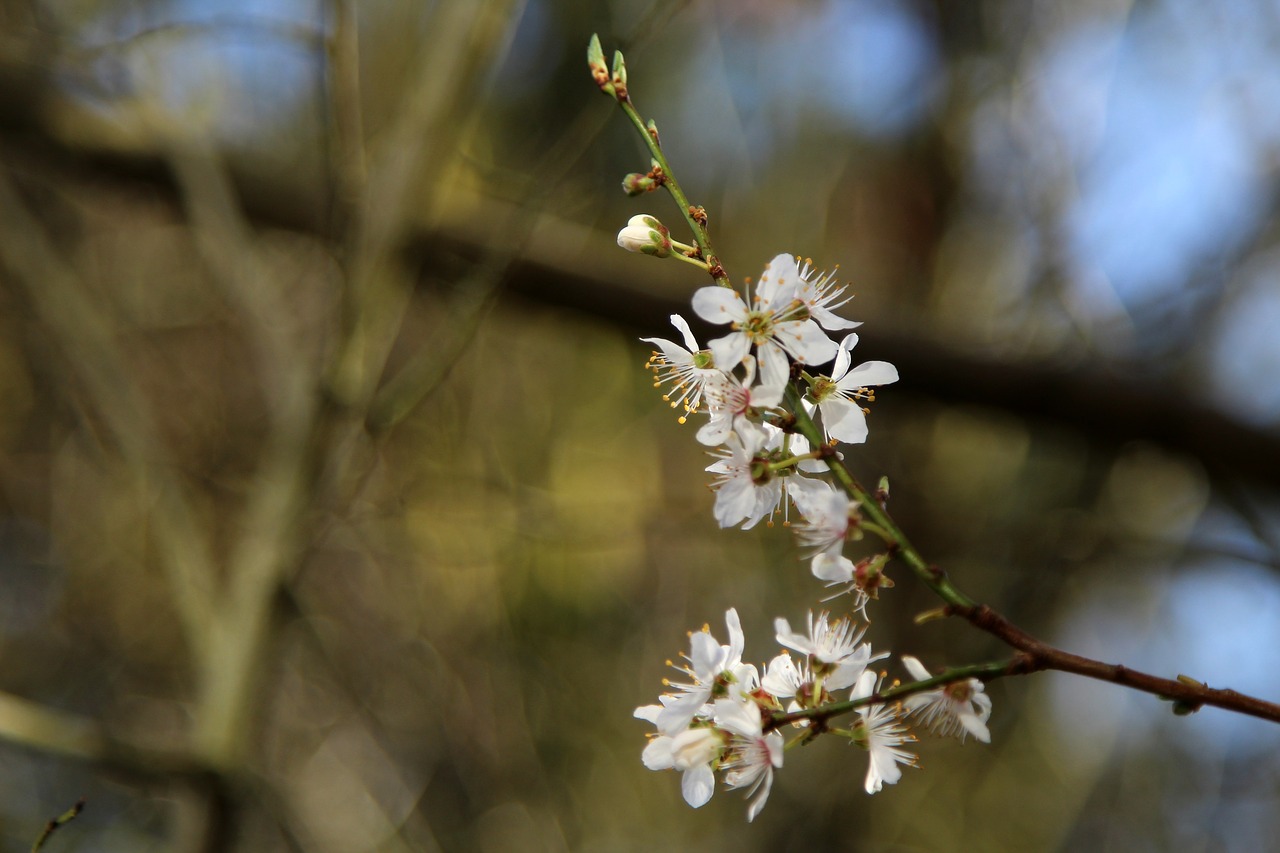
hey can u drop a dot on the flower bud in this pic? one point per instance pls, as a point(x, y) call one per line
point(646, 235)
point(637, 184)
point(599, 70)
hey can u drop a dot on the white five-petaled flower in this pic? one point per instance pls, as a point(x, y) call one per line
point(882, 734)
point(752, 755)
point(957, 709)
point(782, 679)
point(835, 649)
point(838, 396)
point(746, 489)
point(687, 369)
point(777, 323)
point(710, 666)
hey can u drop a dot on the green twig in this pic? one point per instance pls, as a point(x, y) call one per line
point(57, 823)
point(614, 85)
point(932, 576)
point(981, 671)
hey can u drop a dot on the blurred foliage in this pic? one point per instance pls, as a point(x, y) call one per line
point(213, 268)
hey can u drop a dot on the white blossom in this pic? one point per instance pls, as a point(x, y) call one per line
point(687, 369)
point(954, 710)
point(835, 649)
point(710, 665)
point(838, 396)
point(776, 323)
point(746, 489)
point(882, 734)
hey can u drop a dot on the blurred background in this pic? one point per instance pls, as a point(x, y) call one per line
point(337, 512)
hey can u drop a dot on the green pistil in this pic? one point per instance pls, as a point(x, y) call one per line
point(759, 327)
point(821, 388)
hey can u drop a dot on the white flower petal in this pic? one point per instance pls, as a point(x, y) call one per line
point(762, 796)
point(807, 342)
point(689, 340)
point(831, 321)
point(719, 305)
point(697, 785)
point(780, 273)
point(832, 568)
point(975, 727)
point(868, 375)
point(844, 420)
point(775, 370)
point(782, 678)
point(657, 754)
point(917, 669)
point(648, 713)
point(737, 640)
point(730, 350)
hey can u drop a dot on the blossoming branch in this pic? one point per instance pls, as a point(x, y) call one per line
point(780, 394)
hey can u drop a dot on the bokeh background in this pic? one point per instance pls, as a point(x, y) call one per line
point(336, 510)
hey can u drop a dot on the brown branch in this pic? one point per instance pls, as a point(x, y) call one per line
point(1188, 695)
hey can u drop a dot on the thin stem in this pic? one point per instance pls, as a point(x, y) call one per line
point(57, 823)
point(700, 234)
point(932, 576)
point(1035, 655)
point(688, 260)
point(981, 671)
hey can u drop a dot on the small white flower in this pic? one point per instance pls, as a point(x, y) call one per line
point(746, 489)
point(687, 369)
point(782, 679)
point(837, 396)
point(710, 666)
point(776, 323)
point(882, 734)
point(835, 649)
point(752, 755)
point(958, 709)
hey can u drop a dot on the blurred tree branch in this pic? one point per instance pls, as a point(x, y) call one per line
point(52, 133)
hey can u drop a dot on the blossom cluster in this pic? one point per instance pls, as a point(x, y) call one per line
point(740, 381)
point(752, 384)
point(720, 718)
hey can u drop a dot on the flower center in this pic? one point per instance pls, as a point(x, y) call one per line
point(758, 327)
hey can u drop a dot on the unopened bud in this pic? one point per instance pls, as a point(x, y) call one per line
point(638, 184)
point(619, 74)
point(599, 70)
point(646, 235)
